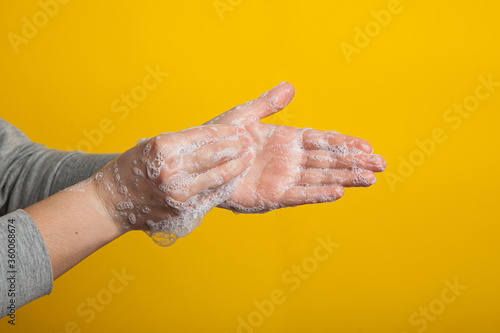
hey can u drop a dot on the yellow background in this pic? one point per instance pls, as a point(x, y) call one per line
point(398, 245)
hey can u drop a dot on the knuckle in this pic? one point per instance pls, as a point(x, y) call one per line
point(227, 176)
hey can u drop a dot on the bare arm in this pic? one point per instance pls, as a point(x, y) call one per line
point(163, 186)
point(167, 184)
point(72, 227)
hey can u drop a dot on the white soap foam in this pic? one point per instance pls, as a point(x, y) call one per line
point(183, 215)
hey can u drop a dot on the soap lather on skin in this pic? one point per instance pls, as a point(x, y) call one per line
point(175, 179)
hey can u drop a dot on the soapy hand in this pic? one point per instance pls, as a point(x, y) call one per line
point(294, 166)
point(166, 184)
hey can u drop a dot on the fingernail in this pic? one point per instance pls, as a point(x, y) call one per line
point(241, 130)
point(249, 140)
point(244, 142)
point(248, 154)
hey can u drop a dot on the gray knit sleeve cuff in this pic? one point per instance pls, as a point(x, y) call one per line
point(25, 267)
point(78, 166)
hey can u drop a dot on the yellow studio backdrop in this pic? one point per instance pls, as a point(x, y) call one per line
point(420, 80)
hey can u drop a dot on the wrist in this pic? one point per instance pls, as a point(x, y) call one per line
point(100, 206)
point(72, 226)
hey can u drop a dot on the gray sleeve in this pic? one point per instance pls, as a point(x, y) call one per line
point(30, 172)
point(25, 267)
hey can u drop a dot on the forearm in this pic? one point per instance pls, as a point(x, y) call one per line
point(73, 226)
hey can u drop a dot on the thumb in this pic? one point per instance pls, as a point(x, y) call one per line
point(271, 102)
point(267, 104)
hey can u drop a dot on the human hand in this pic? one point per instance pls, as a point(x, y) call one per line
point(166, 184)
point(294, 166)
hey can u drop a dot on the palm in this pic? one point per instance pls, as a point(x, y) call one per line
point(295, 166)
point(273, 169)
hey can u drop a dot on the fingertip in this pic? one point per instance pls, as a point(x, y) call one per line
point(340, 191)
point(280, 96)
point(334, 193)
point(240, 129)
point(367, 147)
point(249, 154)
point(365, 178)
point(287, 86)
point(288, 90)
point(377, 162)
point(246, 142)
point(384, 164)
point(371, 179)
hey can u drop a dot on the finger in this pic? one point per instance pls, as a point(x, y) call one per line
point(320, 159)
point(269, 103)
point(221, 174)
point(301, 195)
point(202, 135)
point(215, 153)
point(335, 142)
point(336, 177)
point(272, 101)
